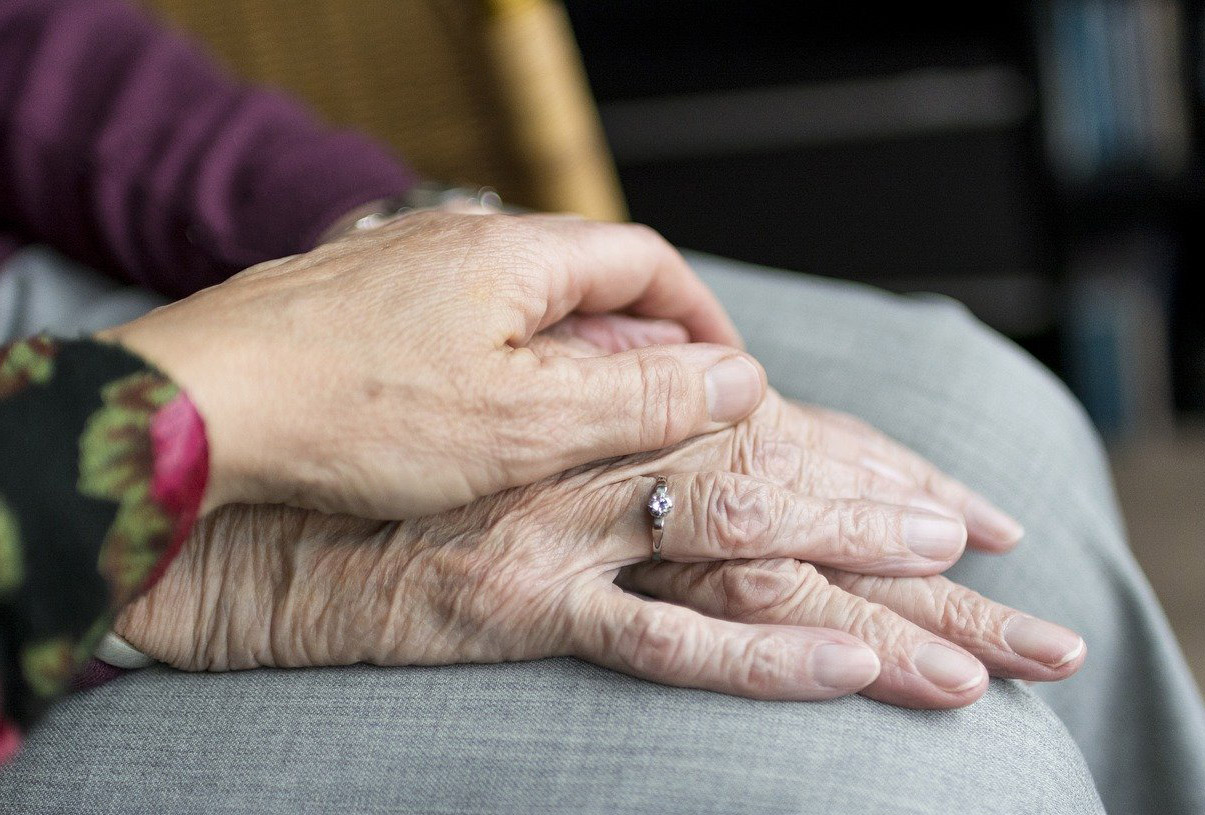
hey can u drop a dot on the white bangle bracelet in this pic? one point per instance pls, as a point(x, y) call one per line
point(113, 650)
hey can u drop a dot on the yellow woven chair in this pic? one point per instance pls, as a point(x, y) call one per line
point(468, 91)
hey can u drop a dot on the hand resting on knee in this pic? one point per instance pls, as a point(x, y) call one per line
point(802, 561)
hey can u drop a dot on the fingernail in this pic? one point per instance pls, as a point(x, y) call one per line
point(1042, 641)
point(935, 537)
point(991, 523)
point(839, 665)
point(733, 389)
point(950, 670)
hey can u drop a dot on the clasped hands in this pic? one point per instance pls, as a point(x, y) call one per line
point(444, 372)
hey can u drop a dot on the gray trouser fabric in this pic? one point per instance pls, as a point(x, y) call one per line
point(562, 736)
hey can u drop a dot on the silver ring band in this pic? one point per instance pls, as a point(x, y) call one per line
point(659, 505)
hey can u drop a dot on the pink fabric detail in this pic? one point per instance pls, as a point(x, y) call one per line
point(10, 741)
point(181, 470)
point(181, 456)
point(10, 736)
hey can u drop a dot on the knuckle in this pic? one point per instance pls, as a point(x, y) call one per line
point(740, 516)
point(873, 622)
point(763, 662)
point(863, 530)
point(655, 642)
point(869, 621)
point(962, 611)
point(768, 590)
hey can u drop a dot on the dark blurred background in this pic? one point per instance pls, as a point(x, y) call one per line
point(1042, 162)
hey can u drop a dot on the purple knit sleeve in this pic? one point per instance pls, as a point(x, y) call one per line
point(122, 145)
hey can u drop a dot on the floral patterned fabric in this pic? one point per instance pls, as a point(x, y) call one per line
point(103, 464)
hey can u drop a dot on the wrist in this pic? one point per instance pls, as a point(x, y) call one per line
point(183, 366)
point(224, 601)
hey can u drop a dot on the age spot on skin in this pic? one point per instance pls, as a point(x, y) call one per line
point(373, 388)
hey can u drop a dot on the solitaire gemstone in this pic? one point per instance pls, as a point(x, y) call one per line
point(660, 504)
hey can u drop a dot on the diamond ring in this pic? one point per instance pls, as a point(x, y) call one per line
point(659, 506)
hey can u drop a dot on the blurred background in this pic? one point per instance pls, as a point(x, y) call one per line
point(1042, 161)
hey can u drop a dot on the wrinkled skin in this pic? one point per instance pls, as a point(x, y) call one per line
point(786, 535)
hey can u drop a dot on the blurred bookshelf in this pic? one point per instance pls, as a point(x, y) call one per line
point(1042, 162)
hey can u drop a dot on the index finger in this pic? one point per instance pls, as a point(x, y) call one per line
point(627, 267)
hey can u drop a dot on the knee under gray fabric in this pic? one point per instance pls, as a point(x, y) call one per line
point(926, 372)
point(560, 736)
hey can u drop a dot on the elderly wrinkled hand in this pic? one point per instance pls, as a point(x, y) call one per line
point(801, 562)
point(385, 374)
point(933, 636)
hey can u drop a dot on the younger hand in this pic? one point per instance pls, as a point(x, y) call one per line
point(385, 375)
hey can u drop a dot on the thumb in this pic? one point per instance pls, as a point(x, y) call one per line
point(639, 400)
